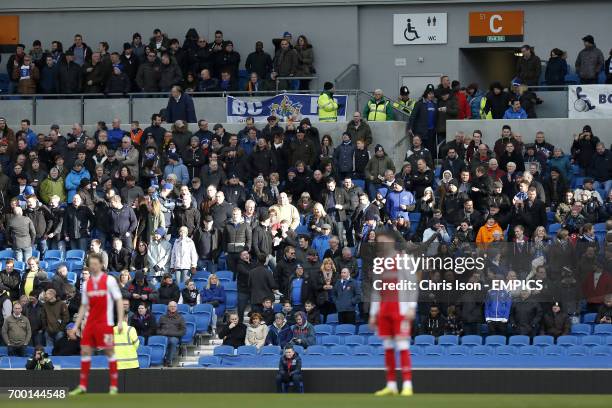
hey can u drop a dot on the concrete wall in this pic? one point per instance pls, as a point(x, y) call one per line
point(392, 135)
point(48, 111)
point(358, 33)
point(559, 132)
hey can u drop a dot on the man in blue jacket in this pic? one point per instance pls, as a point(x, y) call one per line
point(180, 107)
point(289, 371)
point(399, 201)
point(177, 168)
point(515, 111)
point(279, 333)
point(497, 310)
point(347, 294)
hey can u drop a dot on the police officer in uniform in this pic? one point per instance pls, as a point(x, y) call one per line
point(404, 102)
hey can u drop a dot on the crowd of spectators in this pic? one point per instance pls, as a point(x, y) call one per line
point(158, 64)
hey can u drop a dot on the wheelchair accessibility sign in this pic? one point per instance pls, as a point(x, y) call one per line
point(589, 101)
point(421, 28)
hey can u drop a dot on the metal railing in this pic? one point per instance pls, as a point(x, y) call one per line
point(293, 78)
point(348, 78)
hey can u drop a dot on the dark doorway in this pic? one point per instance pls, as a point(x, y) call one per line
point(487, 65)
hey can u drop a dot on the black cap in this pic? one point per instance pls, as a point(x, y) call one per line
point(588, 38)
point(127, 46)
point(328, 86)
point(404, 91)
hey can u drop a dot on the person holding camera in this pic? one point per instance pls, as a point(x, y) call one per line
point(39, 361)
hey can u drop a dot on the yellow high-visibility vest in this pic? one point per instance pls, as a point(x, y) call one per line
point(126, 347)
point(378, 111)
point(328, 108)
point(483, 114)
point(405, 106)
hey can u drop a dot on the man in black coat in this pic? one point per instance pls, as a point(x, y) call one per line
point(336, 201)
point(221, 211)
point(261, 242)
point(185, 215)
point(261, 284)
point(69, 75)
point(285, 268)
point(420, 123)
point(119, 258)
point(123, 221)
point(259, 62)
point(481, 188)
point(525, 315)
point(535, 212)
point(180, 107)
point(236, 238)
point(207, 240)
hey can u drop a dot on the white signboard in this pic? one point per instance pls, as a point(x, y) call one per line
point(589, 101)
point(422, 28)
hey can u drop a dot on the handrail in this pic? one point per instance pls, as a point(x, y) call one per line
point(346, 71)
point(292, 78)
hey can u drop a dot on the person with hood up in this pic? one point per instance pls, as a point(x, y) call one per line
point(279, 333)
point(141, 292)
point(73, 179)
point(303, 332)
point(53, 185)
point(555, 322)
point(497, 101)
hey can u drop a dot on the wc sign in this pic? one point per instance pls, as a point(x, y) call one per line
point(421, 28)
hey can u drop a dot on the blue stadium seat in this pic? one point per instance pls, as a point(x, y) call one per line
point(7, 254)
point(543, 341)
point(345, 330)
point(601, 351)
point(605, 329)
point(414, 350)
point(362, 351)
point(550, 217)
point(424, 340)
point(518, 340)
point(183, 308)
point(271, 350)
point(504, 350)
point(448, 340)
point(495, 340)
point(482, 351)
point(567, 341)
point(75, 266)
point(72, 277)
point(231, 298)
point(299, 349)
point(317, 350)
point(365, 330)
point(159, 308)
point(53, 255)
point(331, 340)
point(581, 329)
point(50, 275)
point(36, 254)
point(359, 183)
point(190, 329)
point(208, 361)
point(578, 351)
point(354, 340)
point(3, 351)
point(43, 265)
point(158, 345)
point(591, 340)
point(553, 228)
point(374, 341)
point(222, 351)
point(203, 317)
point(589, 318)
point(332, 318)
point(528, 350)
point(19, 266)
point(75, 255)
point(577, 181)
point(323, 329)
point(247, 351)
point(471, 340)
point(144, 360)
point(339, 351)
point(553, 351)
point(434, 350)
point(225, 275)
point(458, 351)
point(600, 227)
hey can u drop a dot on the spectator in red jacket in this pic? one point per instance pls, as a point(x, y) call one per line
point(465, 111)
point(595, 286)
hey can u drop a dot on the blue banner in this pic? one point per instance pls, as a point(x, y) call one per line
point(283, 106)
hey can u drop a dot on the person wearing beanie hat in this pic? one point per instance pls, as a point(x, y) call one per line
point(328, 107)
point(590, 61)
point(376, 168)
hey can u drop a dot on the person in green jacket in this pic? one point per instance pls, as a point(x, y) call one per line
point(52, 185)
point(378, 109)
point(375, 169)
point(328, 107)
